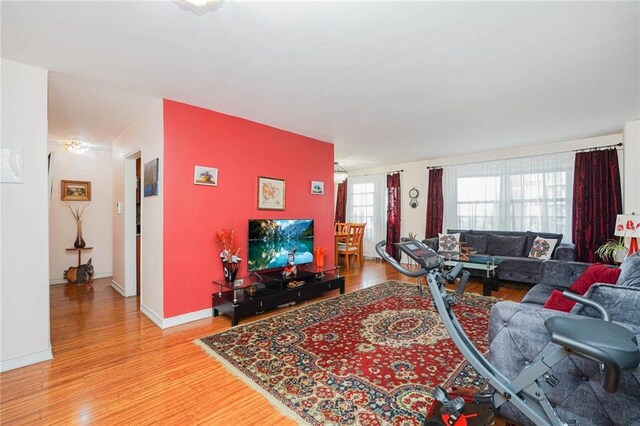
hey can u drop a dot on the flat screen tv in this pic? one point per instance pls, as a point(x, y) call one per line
point(271, 241)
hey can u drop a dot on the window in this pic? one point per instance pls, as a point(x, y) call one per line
point(367, 203)
point(539, 201)
point(524, 194)
point(362, 208)
point(478, 202)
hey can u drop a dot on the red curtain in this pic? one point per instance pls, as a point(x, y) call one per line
point(341, 202)
point(435, 204)
point(597, 199)
point(393, 215)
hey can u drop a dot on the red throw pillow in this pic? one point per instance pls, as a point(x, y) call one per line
point(558, 302)
point(597, 273)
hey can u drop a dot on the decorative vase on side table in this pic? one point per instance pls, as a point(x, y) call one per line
point(77, 215)
point(79, 243)
point(318, 254)
point(227, 241)
point(230, 270)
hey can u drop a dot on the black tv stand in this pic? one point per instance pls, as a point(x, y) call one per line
point(277, 276)
point(257, 293)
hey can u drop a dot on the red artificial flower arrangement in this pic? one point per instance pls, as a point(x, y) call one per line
point(227, 241)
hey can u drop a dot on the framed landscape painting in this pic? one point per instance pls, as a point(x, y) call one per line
point(271, 193)
point(75, 190)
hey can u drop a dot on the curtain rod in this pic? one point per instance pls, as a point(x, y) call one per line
point(595, 148)
point(392, 171)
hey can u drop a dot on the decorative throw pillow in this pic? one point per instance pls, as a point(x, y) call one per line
point(449, 243)
point(542, 248)
point(596, 273)
point(505, 245)
point(478, 242)
point(531, 236)
point(630, 275)
point(558, 302)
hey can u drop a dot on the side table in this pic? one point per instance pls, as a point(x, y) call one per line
point(79, 250)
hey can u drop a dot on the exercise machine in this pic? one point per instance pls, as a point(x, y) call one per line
point(600, 340)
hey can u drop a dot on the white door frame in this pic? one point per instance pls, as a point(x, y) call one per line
point(130, 182)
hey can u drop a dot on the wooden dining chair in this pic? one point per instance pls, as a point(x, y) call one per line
point(353, 245)
point(342, 228)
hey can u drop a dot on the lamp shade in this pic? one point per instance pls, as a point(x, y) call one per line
point(628, 225)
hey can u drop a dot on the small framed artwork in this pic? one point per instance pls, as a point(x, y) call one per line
point(75, 190)
point(271, 193)
point(11, 165)
point(151, 177)
point(205, 176)
point(317, 187)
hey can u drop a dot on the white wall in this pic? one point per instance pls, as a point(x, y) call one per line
point(145, 135)
point(416, 173)
point(24, 252)
point(95, 166)
point(631, 180)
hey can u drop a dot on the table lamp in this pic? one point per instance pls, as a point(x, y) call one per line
point(628, 225)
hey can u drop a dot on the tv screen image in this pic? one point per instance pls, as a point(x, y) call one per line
point(271, 241)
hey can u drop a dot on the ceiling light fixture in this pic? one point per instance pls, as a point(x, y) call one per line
point(339, 173)
point(75, 146)
point(199, 7)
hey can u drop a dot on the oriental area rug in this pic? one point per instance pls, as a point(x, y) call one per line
point(371, 357)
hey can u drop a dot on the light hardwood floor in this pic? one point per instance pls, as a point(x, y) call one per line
point(112, 365)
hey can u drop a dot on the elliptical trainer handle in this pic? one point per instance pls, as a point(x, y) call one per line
point(453, 274)
point(380, 250)
point(463, 282)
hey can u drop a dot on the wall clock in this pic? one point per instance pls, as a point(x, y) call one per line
point(413, 194)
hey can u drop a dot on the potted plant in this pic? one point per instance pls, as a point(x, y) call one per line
point(227, 241)
point(612, 251)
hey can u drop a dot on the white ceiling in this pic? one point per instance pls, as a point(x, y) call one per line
point(387, 82)
point(84, 111)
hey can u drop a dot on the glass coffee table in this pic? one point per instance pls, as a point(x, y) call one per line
point(484, 266)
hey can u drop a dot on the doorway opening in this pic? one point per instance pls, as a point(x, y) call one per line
point(132, 222)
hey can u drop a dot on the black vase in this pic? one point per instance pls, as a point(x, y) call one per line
point(79, 243)
point(230, 270)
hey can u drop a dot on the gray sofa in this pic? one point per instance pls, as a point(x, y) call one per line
point(513, 247)
point(518, 337)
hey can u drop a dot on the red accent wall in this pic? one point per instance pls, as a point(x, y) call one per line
point(241, 150)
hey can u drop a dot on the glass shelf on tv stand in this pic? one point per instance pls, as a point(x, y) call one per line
point(241, 284)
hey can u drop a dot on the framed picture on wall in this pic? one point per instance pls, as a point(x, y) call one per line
point(75, 190)
point(271, 193)
point(205, 176)
point(151, 177)
point(317, 187)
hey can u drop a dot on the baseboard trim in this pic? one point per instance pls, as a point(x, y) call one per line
point(57, 281)
point(185, 318)
point(164, 323)
point(24, 360)
point(155, 318)
point(117, 287)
